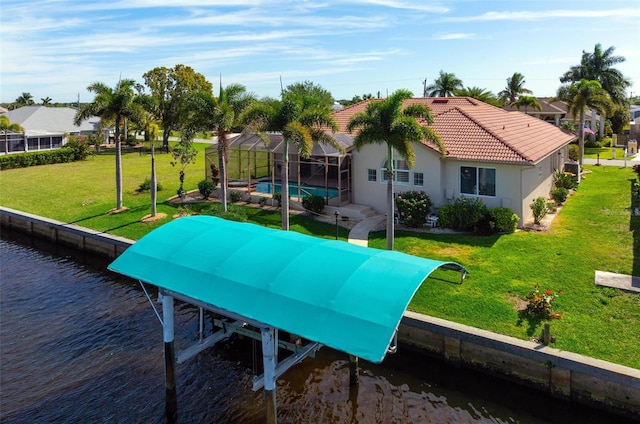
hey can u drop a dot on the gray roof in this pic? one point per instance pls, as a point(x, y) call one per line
point(43, 120)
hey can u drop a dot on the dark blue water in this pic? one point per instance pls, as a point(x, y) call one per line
point(81, 345)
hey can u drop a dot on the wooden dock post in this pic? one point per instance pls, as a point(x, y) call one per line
point(353, 370)
point(171, 398)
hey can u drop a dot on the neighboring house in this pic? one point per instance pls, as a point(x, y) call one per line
point(503, 158)
point(45, 128)
point(554, 112)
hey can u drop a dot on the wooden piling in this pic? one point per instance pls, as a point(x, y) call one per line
point(353, 370)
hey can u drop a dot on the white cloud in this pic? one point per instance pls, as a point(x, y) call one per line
point(547, 14)
point(455, 36)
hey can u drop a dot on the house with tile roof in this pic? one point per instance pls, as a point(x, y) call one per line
point(45, 128)
point(506, 159)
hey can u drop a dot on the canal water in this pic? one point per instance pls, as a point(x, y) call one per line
point(81, 345)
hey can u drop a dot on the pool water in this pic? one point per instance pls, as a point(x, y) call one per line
point(305, 190)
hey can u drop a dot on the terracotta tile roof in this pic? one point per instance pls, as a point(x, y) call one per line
point(472, 130)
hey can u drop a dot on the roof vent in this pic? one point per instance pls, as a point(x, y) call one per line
point(440, 100)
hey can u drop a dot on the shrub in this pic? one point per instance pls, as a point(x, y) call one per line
point(23, 160)
point(413, 207)
point(278, 198)
point(262, 201)
point(539, 304)
point(565, 179)
point(206, 187)
point(539, 209)
point(574, 152)
point(464, 214)
point(233, 213)
point(146, 186)
point(559, 195)
point(235, 196)
point(503, 220)
point(635, 194)
point(313, 202)
point(80, 146)
point(447, 216)
point(131, 140)
point(636, 169)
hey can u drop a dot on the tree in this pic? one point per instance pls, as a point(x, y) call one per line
point(598, 66)
point(222, 115)
point(45, 101)
point(527, 102)
point(388, 122)
point(169, 88)
point(26, 99)
point(115, 105)
point(619, 119)
point(479, 94)
point(582, 95)
point(300, 122)
point(513, 90)
point(6, 126)
point(445, 85)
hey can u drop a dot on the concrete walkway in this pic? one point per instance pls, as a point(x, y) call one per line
point(633, 160)
point(359, 234)
point(619, 281)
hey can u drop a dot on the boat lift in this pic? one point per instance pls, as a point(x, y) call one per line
point(260, 281)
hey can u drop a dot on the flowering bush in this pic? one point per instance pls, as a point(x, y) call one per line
point(539, 303)
point(413, 207)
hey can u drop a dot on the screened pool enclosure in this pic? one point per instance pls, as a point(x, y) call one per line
point(255, 167)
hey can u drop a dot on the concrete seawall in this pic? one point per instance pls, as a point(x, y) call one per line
point(564, 375)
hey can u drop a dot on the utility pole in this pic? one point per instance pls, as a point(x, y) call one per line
point(424, 88)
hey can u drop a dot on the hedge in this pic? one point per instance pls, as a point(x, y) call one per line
point(23, 160)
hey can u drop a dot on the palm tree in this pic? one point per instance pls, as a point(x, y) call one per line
point(579, 96)
point(479, 94)
point(515, 87)
point(445, 85)
point(527, 101)
point(222, 115)
point(6, 126)
point(46, 101)
point(387, 122)
point(598, 66)
point(115, 104)
point(25, 99)
point(301, 123)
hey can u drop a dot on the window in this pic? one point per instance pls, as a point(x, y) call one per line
point(400, 171)
point(418, 179)
point(477, 181)
point(372, 175)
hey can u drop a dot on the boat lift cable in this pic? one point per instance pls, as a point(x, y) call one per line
point(151, 302)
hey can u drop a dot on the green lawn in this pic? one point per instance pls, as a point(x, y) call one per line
point(605, 153)
point(593, 231)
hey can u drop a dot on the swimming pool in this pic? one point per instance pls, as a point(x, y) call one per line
point(305, 190)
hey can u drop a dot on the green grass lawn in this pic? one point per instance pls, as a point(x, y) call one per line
point(604, 152)
point(593, 231)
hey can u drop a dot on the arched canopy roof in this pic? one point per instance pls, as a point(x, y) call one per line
point(348, 297)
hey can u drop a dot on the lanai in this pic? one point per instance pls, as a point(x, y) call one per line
point(252, 161)
point(327, 292)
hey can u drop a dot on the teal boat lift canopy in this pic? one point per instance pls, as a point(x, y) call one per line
point(344, 296)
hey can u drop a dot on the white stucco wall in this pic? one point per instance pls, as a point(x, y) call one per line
point(516, 185)
point(537, 181)
point(374, 194)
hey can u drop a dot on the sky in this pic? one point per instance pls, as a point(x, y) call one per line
point(56, 48)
